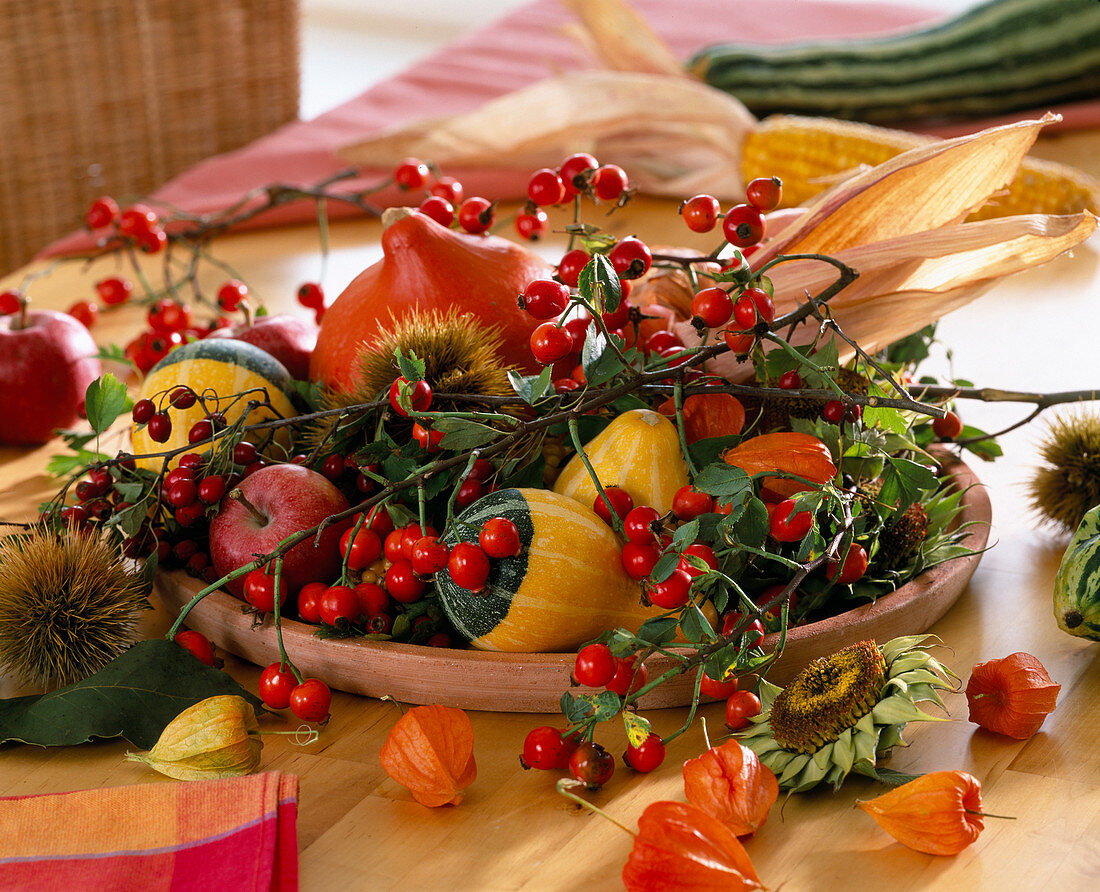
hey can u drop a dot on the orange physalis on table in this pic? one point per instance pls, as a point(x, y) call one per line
point(729, 783)
point(790, 453)
point(1011, 696)
point(679, 846)
point(939, 813)
point(431, 752)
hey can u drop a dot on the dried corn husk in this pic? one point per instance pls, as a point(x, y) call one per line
point(898, 225)
point(675, 135)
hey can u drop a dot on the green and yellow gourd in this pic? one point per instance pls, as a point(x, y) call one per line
point(1077, 583)
point(639, 451)
point(224, 367)
point(566, 586)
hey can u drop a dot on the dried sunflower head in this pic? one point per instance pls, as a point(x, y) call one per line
point(842, 712)
point(69, 604)
point(1069, 485)
point(902, 537)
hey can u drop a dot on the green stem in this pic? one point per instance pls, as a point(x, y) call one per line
point(678, 401)
point(284, 660)
point(422, 504)
point(691, 712)
point(574, 435)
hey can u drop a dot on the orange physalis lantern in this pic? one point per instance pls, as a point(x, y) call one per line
point(431, 752)
point(678, 846)
point(729, 783)
point(708, 415)
point(1011, 696)
point(939, 813)
point(791, 453)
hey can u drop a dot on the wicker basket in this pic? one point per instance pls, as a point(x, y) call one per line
point(117, 96)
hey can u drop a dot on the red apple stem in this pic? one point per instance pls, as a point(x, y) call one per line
point(246, 308)
point(24, 307)
point(256, 513)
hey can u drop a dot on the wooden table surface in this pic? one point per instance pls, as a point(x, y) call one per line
point(358, 829)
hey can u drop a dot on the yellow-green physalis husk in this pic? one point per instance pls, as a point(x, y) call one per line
point(842, 713)
point(216, 737)
point(1077, 583)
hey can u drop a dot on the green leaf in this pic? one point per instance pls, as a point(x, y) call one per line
point(658, 629)
point(606, 705)
point(598, 284)
point(637, 728)
point(411, 366)
point(685, 534)
point(114, 353)
point(599, 361)
point(130, 520)
point(398, 466)
point(723, 481)
point(530, 388)
point(986, 450)
point(709, 449)
point(134, 696)
point(104, 401)
point(310, 393)
point(886, 419)
point(76, 439)
point(719, 662)
point(64, 465)
point(904, 481)
point(666, 563)
point(527, 475)
point(129, 492)
point(463, 434)
point(913, 348)
point(894, 778)
point(695, 625)
point(752, 527)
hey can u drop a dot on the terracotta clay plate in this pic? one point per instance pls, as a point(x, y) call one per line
point(499, 682)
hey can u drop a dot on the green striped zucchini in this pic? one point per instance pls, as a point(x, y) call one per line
point(1077, 583)
point(999, 57)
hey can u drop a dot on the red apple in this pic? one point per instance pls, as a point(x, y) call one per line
point(45, 367)
point(290, 339)
point(282, 500)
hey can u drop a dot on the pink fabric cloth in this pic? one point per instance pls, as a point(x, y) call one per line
point(235, 833)
point(507, 55)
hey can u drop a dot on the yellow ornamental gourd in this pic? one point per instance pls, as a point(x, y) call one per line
point(639, 452)
point(566, 586)
point(216, 370)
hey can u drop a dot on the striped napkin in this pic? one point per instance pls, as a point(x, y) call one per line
point(231, 834)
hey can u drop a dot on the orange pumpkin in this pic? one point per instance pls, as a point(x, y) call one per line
point(428, 266)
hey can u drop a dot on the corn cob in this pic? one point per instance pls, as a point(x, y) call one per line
point(810, 154)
